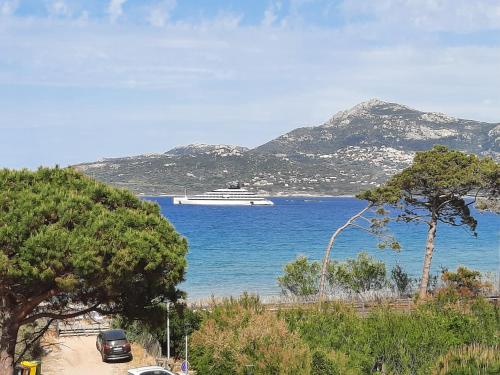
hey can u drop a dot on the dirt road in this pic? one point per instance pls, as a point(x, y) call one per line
point(79, 356)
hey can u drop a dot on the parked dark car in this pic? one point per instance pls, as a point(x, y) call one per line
point(113, 344)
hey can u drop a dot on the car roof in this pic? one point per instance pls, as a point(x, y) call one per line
point(114, 334)
point(140, 370)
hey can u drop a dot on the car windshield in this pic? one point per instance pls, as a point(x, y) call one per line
point(155, 372)
point(116, 342)
point(114, 335)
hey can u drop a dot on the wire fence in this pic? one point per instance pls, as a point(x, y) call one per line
point(337, 294)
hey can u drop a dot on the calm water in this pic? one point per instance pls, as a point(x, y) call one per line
point(236, 249)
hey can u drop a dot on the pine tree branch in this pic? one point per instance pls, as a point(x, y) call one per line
point(33, 302)
point(379, 235)
point(366, 219)
point(475, 198)
point(59, 316)
point(38, 335)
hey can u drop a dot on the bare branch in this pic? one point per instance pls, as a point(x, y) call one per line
point(452, 223)
point(408, 218)
point(366, 219)
point(58, 316)
point(38, 335)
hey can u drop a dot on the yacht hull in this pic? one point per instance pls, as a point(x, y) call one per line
point(222, 202)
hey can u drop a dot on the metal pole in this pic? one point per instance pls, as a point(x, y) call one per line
point(168, 331)
point(187, 363)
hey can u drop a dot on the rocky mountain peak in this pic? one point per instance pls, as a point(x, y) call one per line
point(378, 123)
point(367, 109)
point(369, 104)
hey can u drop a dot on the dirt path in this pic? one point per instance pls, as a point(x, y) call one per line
point(79, 356)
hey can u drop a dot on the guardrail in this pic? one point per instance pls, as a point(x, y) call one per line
point(362, 306)
point(400, 304)
point(78, 329)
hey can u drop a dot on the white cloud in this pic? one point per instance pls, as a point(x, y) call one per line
point(270, 14)
point(160, 13)
point(8, 7)
point(115, 9)
point(429, 15)
point(224, 20)
point(58, 8)
point(84, 17)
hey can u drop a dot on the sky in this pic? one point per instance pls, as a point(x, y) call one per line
point(82, 80)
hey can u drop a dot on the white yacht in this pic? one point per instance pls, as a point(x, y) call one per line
point(233, 195)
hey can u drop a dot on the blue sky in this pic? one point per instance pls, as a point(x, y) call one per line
point(85, 79)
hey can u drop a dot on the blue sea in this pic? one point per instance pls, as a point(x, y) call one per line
point(237, 249)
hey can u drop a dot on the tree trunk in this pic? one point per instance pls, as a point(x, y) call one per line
point(429, 249)
point(8, 329)
point(326, 259)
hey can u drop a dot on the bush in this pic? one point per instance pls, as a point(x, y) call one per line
point(239, 334)
point(331, 363)
point(338, 340)
point(359, 275)
point(463, 283)
point(401, 280)
point(362, 274)
point(470, 359)
point(403, 343)
point(300, 278)
point(397, 342)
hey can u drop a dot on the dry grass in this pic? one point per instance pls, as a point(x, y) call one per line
point(141, 357)
point(474, 357)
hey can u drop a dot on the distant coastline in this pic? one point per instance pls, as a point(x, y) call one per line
point(298, 195)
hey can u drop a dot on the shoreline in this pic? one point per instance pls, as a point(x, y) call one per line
point(268, 196)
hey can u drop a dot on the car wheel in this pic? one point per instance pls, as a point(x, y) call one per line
point(104, 359)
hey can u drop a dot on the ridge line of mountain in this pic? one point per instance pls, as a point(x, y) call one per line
point(355, 149)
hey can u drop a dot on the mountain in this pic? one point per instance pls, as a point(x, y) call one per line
point(354, 150)
point(376, 123)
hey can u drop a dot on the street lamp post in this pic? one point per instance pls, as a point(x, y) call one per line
point(186, 327)
point(187, 363)
point(168, 331)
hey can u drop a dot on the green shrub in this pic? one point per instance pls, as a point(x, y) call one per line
point(328, 329)
point(239, 334)
point(404, 343)
point(361, 274)
point(399, 342)
point(300, 277)
point(331, 363)
point(339, 340)
point(402, 282)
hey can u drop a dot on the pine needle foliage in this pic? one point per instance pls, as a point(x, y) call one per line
point(70, 245)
